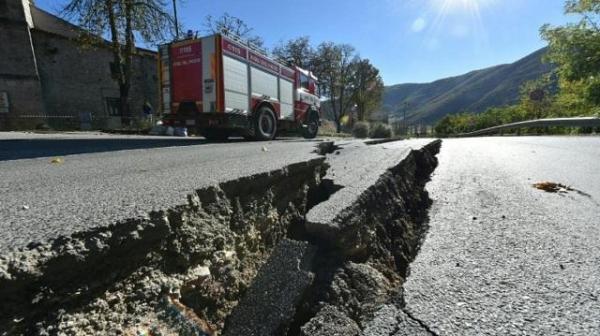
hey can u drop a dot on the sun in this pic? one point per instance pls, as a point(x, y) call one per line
point(471, 6)
point(458, 18)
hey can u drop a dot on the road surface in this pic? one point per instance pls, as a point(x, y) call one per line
point(504, 258)
point(500, 258)
point(40, 200)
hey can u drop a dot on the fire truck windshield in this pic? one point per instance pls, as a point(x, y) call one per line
point(304, 81)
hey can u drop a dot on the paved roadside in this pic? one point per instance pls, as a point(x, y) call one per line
point(41, 200)
point(501, 257)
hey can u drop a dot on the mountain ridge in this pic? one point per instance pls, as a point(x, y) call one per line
point(474, 91)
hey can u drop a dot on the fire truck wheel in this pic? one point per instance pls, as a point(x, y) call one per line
point(265, 124)
point(215, 134)
point(311, 127)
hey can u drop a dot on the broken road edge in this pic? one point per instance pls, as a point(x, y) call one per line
point(236, 259)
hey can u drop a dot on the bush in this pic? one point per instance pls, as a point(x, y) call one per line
point(328, 129)
point(381, 131)
point(144, 124)
point(361, 130)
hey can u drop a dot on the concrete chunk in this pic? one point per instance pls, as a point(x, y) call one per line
point(390, 320)
point(330, 321)
point(371, 191)
point(353, 176)
point(270, 302)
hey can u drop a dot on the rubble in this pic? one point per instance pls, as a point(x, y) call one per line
point(329, 321)
point(269, 305)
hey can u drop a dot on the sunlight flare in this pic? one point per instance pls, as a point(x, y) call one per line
point(459, 18)
point(460, 5)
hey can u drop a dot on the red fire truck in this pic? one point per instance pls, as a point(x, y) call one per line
point(219, 86)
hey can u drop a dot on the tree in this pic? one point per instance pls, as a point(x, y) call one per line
point(575, 49)
point(368, 88)
point(122, 20)
point(334, 64)
point(230, 24)
point(537, 97)
point(296, 52)
point(445, 126)
point(345, 79)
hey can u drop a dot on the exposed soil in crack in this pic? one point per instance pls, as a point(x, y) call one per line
point(322, 192)
point(364, 266)
point(196, 268)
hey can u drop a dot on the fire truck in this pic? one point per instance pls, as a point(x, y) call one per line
point(220, 85)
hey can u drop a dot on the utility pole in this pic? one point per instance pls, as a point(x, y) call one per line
point(176, 21)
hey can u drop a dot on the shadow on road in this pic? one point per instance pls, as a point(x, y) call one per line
point(15, 149)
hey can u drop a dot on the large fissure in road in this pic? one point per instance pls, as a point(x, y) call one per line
point(239, 258)
point(362, 265)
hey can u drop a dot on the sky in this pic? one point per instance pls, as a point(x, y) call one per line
point(410, 41)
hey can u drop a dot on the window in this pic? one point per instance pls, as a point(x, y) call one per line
point(304, 81)
point(113, 107)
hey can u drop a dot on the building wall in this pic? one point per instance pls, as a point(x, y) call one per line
point(18, 71)
point(48, 74)
point(16, 52)
point(77, 81)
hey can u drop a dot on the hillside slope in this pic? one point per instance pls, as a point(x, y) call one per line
point(475, 91)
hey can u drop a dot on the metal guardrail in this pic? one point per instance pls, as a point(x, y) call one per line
point(553, 122)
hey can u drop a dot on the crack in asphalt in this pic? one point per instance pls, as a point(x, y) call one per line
point(217, 242)
point(420, 322)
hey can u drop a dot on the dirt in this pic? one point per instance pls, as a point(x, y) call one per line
point(558, 188)
point(552, 187)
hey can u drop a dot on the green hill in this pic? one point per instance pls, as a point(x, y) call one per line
point(475, 91)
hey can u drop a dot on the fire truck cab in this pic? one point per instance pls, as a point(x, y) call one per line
point(220, 86)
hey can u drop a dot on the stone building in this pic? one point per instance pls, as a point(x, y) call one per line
point(47, 77)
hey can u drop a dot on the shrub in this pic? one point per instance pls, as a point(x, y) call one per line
point(328, 129)
point(144, 124)
point(361, 130)
point(381, 131)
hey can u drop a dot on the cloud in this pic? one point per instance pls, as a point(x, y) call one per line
point(418, 25)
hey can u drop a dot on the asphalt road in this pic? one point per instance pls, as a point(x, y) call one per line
point(18, 145)
point(504, 258)
point(501, 257)
point(40, 200)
